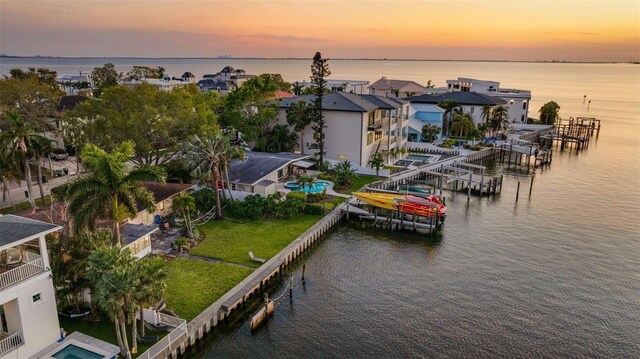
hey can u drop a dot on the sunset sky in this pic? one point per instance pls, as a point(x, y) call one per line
point(497, 30)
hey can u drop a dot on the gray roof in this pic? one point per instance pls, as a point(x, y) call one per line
point(343, 101)
point(216, 85)
point(258, 165)
point(132, 232)
point(15, 228)
point(463, 98)
point(388, 84)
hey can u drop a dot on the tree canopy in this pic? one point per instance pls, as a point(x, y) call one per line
point(549, 113)
point(139, 73)
point(319, 70)
point(104, 77)
point(158, 122)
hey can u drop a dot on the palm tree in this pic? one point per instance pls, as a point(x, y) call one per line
point(377, 162)
point(152, 276)
point(185, 205)
point(205, 159)
point(450, 107)
point(486, 113)
point(9, 172)
point(500, 118)
point(113, 275)
point(306, 181)
point(297, 88)
point(42, 148)
point(344, 173)
point(429, 132)
point(410, 93)
point(396, 92)
point(110, 191)
point(20, 137)
point(299, 117)
point(462, 123)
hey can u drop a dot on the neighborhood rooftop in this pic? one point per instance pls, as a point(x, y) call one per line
point(257, 165)
point(343, 101)
point(16, 228)
point(389, 84)
point(463, 98)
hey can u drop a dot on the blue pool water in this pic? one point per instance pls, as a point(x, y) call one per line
point(75, 352)
point(316, 187)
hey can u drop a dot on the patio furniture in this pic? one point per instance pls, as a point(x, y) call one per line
point(13, 257)
point(255, 259)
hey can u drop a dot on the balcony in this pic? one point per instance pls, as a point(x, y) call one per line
point(10, 342)
point(18, 265)
point(374, 126)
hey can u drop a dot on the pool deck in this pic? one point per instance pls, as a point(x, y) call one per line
point(81, 340)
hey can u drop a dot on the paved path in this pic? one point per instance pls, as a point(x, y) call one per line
point(213, 260)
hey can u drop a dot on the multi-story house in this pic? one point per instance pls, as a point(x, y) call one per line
point(358, 126)
point(389, 88)
point(28, 314)
point(517, 100)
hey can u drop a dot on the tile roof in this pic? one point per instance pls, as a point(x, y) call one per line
point(129, 233)
point(69, 102)
point(463, 98)
point(15, 228)
point(162, 191)
point(388, 84)
point(258, 165)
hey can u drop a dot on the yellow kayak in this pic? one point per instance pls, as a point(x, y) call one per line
point(408, 204)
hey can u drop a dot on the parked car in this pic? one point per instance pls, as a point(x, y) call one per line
point(59, 154)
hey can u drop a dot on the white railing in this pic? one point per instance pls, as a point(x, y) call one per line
point(158, 350)
point(11, 342)
point(33, 266)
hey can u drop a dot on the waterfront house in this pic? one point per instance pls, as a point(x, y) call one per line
point(220, 86)
point(260, 172)
point(517, 100)
point(387, 87)
point(188, 77)
point(228, 73)
point(358, 126)
point(29, 318)
point(353, 86)
point(79, 84)
point(166, 83)
point(424, 107)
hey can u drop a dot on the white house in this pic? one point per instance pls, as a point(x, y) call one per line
point(358, 126)
point(424, 106)
point(166, 83)
point(387, 87)
point(517, 100)
point(260, 172)
point(353, 86)
point(28, 314)
point(76, 84)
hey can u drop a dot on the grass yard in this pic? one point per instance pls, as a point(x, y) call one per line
point(231, 240)
point(104, 330)
point(193, 285)
point(25, 205)
point(359, 182)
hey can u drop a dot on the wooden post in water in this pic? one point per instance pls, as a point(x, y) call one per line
point(469, 187)
point(531, 185)
point(518, 192)
point(501, 178)
point(441, 178)
point(304, 269)
point(291, 288)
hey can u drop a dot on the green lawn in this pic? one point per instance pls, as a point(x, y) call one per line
point(193, 285)
point(104, 330)
point(231, 240)
point(25, 205)
point(359, 182)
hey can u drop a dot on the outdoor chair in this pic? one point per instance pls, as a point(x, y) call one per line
point(13, 257)
point(255, 259)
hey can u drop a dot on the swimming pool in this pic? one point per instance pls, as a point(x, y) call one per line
point(316, 187)
point(421, 158)
point(75, 352)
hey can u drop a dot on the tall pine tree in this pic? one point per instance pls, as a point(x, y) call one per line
point(319, 70)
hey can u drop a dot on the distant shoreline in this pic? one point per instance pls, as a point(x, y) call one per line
point(304, 58)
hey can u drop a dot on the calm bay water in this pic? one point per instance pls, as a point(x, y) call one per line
point(556, 275)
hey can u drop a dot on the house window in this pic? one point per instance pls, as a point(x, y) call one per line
point(162, 206)
point(315, 135)
point(378, 135)
point(522, 118)
point(36, 299)
point(372, 118)
point(524, 105)
point(280, 173)
point(472, 107)
point(369, 138)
